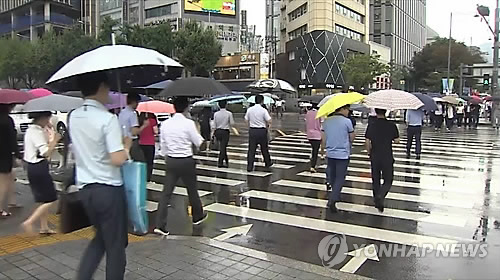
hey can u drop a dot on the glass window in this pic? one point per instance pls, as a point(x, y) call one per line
point(291, 55)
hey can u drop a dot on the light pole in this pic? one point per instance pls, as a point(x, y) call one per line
point(449, 58)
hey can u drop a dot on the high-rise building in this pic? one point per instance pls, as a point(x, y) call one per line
point(90, 16)
point(126, 11)
point(30, 19)
point(315, 38)
point(400, 25)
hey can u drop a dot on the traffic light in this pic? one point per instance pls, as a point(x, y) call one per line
point(486, 81)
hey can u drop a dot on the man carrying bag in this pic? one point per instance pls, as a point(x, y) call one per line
point(99, 153)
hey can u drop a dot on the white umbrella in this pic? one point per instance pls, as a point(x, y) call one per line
point(267, 100)
point(273, 96)
point(54, 102)
point(272, 85)
point(133, 66)
point(392, 99)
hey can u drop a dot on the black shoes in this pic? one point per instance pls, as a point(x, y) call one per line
point(161, 232)
point(328, 187)
point(222, 166)
point(407, 156)
point(379, 204)
point(333, 208)
point(418, 156)
point(204, 218)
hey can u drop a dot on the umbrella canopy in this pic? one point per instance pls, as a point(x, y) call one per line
point(475, 101)
point(392, 99)
point(438, 99)
point(13, 96)
point(338, 101)
point(267, 100)
point(195, 86)
point(450, 99)
point(433, 94)
point(205, 103)
point(272, 85)
point(157, 86)
point(119, 100)
point(40, 92)
point(128, 67)
point(156, 107)
point(273, 96)
point(429, 103)
point(326, 98)
point(230, 98)
point(53, 102)
point(492, 98)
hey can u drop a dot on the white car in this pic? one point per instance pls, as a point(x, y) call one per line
point(21, 122)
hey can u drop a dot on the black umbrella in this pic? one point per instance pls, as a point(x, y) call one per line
point(429, 103)
point(195, 86)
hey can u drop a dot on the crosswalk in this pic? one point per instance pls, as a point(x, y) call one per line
point(434, 200)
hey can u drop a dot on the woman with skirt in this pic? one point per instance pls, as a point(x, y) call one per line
point(147, 140)
point(313, 129)
point(37, 151)
point(205, 130)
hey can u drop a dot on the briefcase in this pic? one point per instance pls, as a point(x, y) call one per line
point(73, 214)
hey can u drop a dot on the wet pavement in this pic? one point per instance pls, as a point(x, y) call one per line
point(448, 198)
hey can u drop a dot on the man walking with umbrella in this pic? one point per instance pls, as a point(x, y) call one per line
point(379, 138)
point(414, 121)
point(258, 120)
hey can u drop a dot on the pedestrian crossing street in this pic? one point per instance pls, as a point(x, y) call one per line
point(434, 200)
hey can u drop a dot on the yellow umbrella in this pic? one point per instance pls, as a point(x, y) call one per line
point(338, 101)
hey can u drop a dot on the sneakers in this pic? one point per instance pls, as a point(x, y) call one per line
point(204, 218)
point(333, 208)
point(312, 170)
point(418, 156)
point(161, 232)
point(328, 186)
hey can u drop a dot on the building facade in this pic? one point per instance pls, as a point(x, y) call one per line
point(30, 19)
point(399, 25)
point(318, 36)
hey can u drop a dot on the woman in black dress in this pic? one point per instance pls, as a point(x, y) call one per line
point(8, 154)
point(37, 150)
point(205, 131)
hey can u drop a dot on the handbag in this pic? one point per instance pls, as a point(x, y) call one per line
point(134, 176)
point(73, 214)
point(214, 144)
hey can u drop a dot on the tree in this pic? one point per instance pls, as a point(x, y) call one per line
point(360, 70)
point(17, 63)
point(430, 65)
point(108, 26)
point(197, 49)
point(159, 37)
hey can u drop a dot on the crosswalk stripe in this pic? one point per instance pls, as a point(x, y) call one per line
point(460, 187)
point(422, 198)
point(244, 155)
point(151, 206)
point(178, 190)
point(243, 162)
point(272, 151)
point(225, 170)
point(441, 219)
point(205, 179)
point(445, 163)
point(334, 227)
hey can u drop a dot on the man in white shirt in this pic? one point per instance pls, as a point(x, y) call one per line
point(438, 116)
point(223, 121)
point(99, 154)
point(279, 108)
point(129, 123)
point(258, 120)
point(178, 135)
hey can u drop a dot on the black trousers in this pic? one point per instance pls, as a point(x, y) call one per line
point(257, 137)
point(315, 144)
point(184, 169)
point(438, 121)
point(222, 136)
point(136, 152)
point(414, 132)
point(149, 154)
point(460, 119)
point(449, 123)
point(107, 210)
point(382, 168)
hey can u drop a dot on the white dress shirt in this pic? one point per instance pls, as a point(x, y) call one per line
point(257, 116)
point(128, 120)
point(223, 119)
point(95, 134)
point(35, 144)
point(177, 136)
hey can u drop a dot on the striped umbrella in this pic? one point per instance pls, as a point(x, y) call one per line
point(392, 99)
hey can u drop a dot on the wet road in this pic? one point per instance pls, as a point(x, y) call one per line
point(450, 196)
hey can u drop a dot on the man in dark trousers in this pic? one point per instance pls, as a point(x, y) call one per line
point(258, 120)
point(414, 121)
point(177, 137)
point(379, 138)
point(223, 122)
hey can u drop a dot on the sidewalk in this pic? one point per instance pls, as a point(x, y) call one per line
point(177, 257)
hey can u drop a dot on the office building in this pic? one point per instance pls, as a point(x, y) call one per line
point(400, 25)
point(30, 19)
point(249, 41)
point(125, 11)
point(316, 37)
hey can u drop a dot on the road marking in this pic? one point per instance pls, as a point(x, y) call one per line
point(178, 190)
point(205, 179)
point(359, 257)
point(460, 186)
point(446, 164)
point(422, 198)
point(231, 232)
point(243, 162)
point(335, 227)
point(364, 209)
point(225, 170)
point(151, 206)
point(461, 148)
point(273, 151)
point(443, 151)
point(244, 155)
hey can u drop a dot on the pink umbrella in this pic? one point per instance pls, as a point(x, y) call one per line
point(13, 96)
point(156, 107)
point(40, 92)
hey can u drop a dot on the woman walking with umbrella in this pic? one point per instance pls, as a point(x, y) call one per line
point(37, 150)
point(313, 129)
point(147, 139)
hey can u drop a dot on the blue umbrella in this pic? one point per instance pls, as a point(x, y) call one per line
point(429, 103)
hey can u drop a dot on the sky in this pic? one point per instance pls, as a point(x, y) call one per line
point(465, 28)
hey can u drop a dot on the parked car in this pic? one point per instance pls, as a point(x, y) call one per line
point(21, 122)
